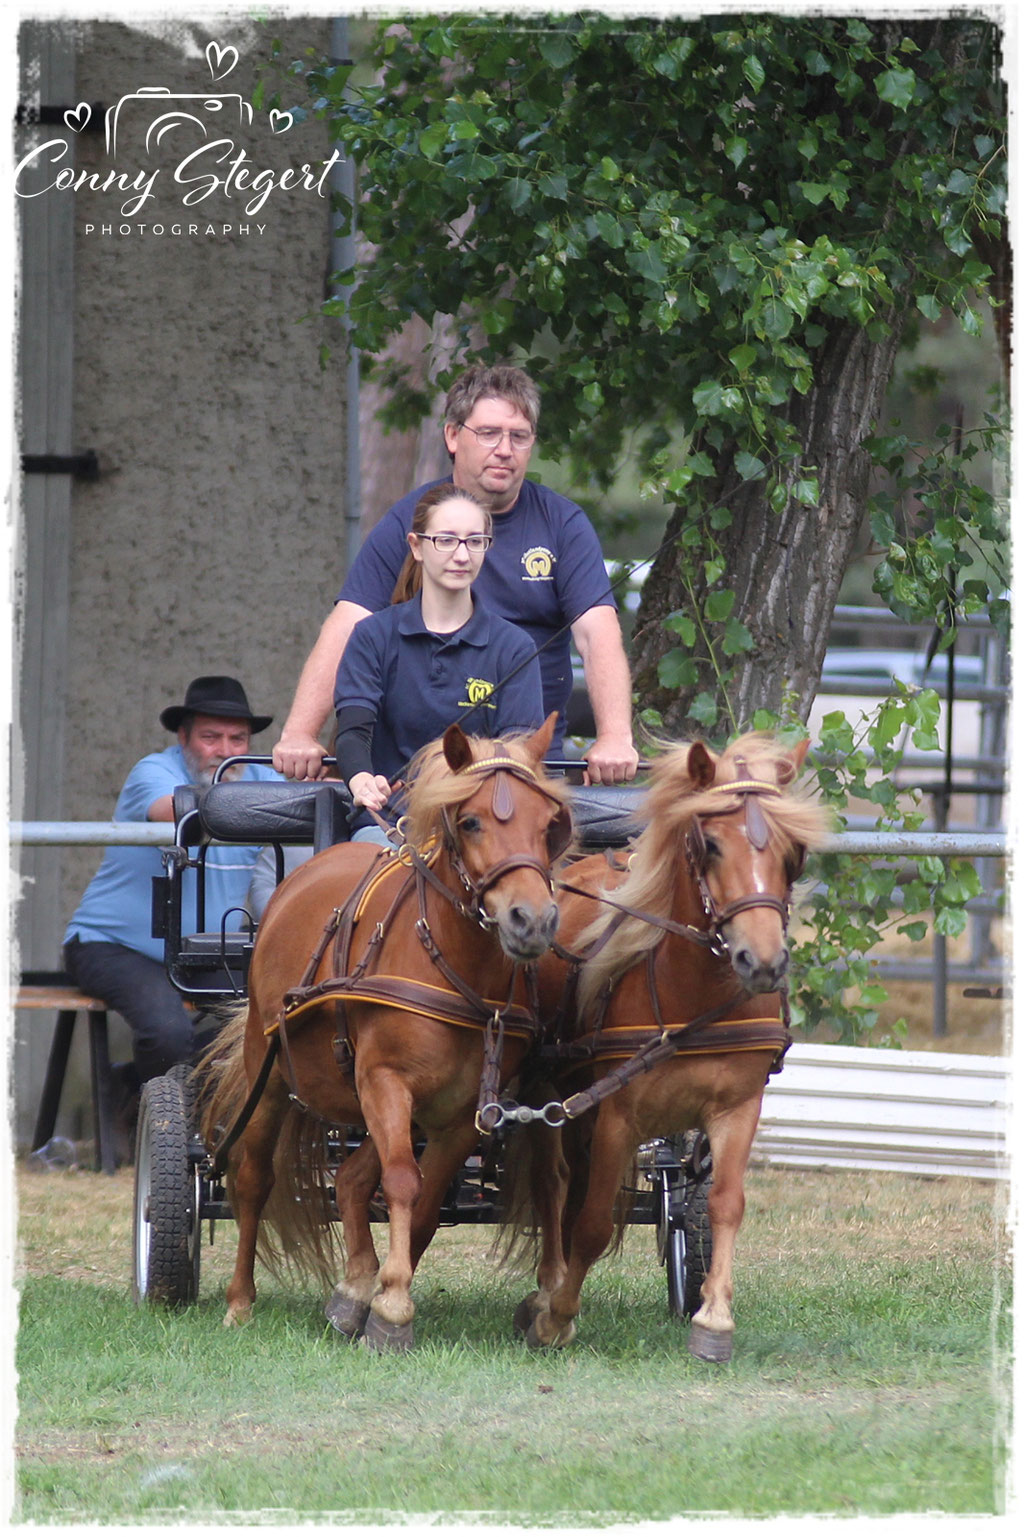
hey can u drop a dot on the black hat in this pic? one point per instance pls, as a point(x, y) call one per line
point(223, 697)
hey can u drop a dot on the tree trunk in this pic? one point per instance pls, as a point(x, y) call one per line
point(785, 569)
point(391, 464)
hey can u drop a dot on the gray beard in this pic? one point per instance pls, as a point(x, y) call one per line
point(203, 778)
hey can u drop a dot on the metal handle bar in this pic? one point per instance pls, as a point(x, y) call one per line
point(557, 765)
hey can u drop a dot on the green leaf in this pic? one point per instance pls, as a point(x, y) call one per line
point(754, 71)
point(553, 185)
point(719, 605)
point(556, 49)
point(950, 921)
point(742, 357)
point(432, 139)
point(676, 670)
point(929, 306)
point(704, 710)
point(737, 638)
point(896, 86)
point(682, 625)
point(707, 397)
point(749, 467)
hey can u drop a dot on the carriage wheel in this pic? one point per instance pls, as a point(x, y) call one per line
point(683, 1225)
point(165, 1229)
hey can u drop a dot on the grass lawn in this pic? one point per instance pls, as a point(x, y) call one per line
point(870, 1376)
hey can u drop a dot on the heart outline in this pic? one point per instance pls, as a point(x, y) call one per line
point(277, 125)
point(72, 115)
point(215, 56)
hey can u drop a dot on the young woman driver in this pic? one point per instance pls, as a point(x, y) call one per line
point(434, 657)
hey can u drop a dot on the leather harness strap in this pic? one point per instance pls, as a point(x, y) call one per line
point(707, 1033)
point(415, 998)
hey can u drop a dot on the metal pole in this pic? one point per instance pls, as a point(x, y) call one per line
point(885, 845)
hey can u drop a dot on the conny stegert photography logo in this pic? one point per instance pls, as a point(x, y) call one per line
point(150, 122)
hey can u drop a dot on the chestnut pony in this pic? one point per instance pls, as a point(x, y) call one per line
point(687, 968)
point(383, 980)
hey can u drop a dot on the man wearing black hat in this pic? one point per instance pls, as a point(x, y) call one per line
point(109, 950)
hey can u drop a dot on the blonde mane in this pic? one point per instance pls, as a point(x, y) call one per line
point(435, 787)
point(671, 803)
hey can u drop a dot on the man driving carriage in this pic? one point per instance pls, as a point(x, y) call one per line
point(109, 949)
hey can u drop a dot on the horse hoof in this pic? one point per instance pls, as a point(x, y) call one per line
point(523, 1317)
point(346, 1314)
point(710, 1344)
point(565, 1336)
point(384, 1338)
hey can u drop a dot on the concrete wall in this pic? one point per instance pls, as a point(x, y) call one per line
point(212, 540)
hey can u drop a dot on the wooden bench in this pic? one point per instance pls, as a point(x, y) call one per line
point(54, 991)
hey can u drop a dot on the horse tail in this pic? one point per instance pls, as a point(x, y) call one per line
point(296, 1231)
point(220, 1079)
point(533, 1185)
point(516, 1244)
point(543, 1183)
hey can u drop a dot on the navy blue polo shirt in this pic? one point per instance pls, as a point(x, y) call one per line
point(417, 683)
point(542, 572)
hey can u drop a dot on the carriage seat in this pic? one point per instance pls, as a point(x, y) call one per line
point(290, 812)
point(606, 816)
point(264, 811)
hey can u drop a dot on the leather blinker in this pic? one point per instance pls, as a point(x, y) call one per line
point(559, 832)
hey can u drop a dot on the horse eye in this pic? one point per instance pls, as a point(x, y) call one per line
point(712, 849)
point(470, 824)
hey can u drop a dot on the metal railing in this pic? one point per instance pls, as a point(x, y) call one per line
point(911, 846)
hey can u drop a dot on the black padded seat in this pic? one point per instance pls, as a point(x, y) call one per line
point(272, 811)
point(268, 811)
point(606, 816)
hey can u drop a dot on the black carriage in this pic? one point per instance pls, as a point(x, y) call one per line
point(177, 1187)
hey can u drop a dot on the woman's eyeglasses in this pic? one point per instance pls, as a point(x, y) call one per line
point(519, 438)
point(476, 544)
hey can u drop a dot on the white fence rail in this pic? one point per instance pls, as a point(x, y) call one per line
point(831, 1106)
point(909, 845)
point(864, 1107)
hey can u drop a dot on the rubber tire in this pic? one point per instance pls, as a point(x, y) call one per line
point(684, 1227)
point(165, 1225)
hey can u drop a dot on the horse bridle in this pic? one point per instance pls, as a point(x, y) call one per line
point(697, 854)
point(559, 834)
point(698, 859)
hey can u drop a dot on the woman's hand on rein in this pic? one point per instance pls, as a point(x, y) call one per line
point(369, 790)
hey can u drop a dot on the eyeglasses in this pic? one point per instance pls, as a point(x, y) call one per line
point(519, 438)
point(476, 544)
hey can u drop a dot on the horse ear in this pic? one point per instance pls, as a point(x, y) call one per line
point(538, 744)
point(457, 750)
point(796, 762)
point(701, 766)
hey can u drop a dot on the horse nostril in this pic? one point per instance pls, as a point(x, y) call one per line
point(743, 962)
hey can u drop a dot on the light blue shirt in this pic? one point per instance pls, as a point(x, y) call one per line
point(117, 905)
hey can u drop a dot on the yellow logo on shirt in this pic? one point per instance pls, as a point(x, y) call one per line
point(539, 563)
point(479, 692)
